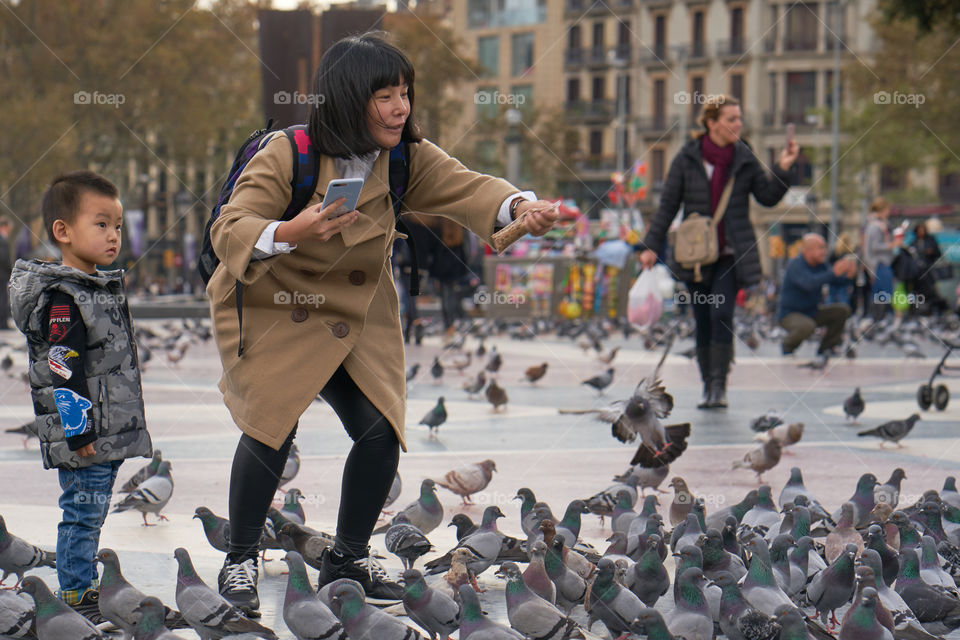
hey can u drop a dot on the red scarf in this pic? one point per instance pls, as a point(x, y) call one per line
point(720, 158)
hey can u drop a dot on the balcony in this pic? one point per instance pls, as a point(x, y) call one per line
point(657, 124)
point(622, 53)
point(653, 56)
point(593, 111)
point(800, 45)
point(596, 164)
point(597, 57)
point(573, 58)
point(579, 7)
point(731, 50)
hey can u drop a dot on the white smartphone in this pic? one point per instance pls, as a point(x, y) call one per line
point(791, 129)
point(348, 188)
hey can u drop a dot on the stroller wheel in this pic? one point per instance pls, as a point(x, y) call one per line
point(941, 397)
point(925, 396)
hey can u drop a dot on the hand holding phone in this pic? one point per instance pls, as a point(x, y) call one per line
point(348, 188)
point(791, 130)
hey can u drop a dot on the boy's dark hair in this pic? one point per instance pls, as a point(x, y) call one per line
point(62, 198)
point(350, 72)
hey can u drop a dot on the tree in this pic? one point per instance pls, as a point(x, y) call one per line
point(927, 15)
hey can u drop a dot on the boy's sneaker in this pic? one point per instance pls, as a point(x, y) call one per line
point(379, 589)
point(237, 583)
point(89, 606)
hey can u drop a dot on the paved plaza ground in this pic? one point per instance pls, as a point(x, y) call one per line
point(560, 457)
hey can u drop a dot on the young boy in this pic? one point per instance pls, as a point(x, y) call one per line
point(84, 370)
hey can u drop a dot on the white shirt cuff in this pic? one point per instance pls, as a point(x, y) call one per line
point(266, 247)
point(503, 217)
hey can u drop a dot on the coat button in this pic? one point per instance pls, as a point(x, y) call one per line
point(298, 315)
point(357, 278)
point(341, 329)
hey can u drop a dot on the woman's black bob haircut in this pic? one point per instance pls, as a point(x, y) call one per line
point(350, 72)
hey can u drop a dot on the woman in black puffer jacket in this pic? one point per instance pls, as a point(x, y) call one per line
point(696, 181)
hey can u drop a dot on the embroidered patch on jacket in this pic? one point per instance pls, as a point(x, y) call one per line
point(57, 359)
point(73, 411)
point(59, 322)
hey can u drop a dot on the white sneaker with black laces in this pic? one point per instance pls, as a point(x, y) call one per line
point(237, 583)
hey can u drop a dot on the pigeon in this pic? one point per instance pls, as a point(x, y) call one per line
point(436, 369)
point(949, 492)
point(861, 622)
point(291, 467)
point(844, 534)
point(759, 586)
point(535, 575)
point(906, 624)
point(475, 385)
point(533, 374)
point(790, 576)
point(494, 361)
point(893, 431)
point(215, 528)
point(412, 371)
point(435, 417)
point(118, 598)
point(786, 434)
point(434, 611)
point(17, 615)
point(17, 556)
point(930, 570)
point(394, 492)
point(611, 602)
point(761, 459)
point(854, 406)
point(601, 381)
point(485, 543)
point(792, 623)
point(146, 471)
point(308, 543)
point(863, 501)
point(762, 517)
point(569, 527)
point(528, 518)
point(603, 502)
point(458, 574)
point(468, 480)
point(205, 610)
point(460, 362)
point(718, 518)
point(767, 421)
point(150, 623)
point(475, 625)
point(364, 621)
point(686, 533)
point(718, 560)
point(650, 578)
point(607, 358)
point(28, 430)
point(794, 488)
point(496, 395)
point(646, 478)
point(931, 604)
point(304, 614)
point(650, 623)
point(465, 526)
point(833, 587)
point(406, 541)
point(292, 510)
point(151, 496)
point(691, 619)
point(682, 501)
point(425, 513)
point(571, 588)
point(530, 614)
point(889, 491)
point(640, 415)
point(738, 620)
point(55, 619)
point(624, 515)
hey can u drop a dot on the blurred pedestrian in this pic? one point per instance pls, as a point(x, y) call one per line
point(698, 176)
point(841, 291)
point(448, 269)
point(878, 249)
point(6, 267)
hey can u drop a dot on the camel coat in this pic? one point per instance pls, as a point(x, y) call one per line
point(326, 303)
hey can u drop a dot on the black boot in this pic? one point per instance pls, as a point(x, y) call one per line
point(719, 368)
point(703, 361)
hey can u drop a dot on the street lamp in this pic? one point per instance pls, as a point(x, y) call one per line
point(513, 139)
point(835, 143)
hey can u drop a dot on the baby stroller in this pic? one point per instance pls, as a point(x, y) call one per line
point(938, 396)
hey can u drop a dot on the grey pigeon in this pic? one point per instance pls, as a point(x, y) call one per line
point(474, 625)
point(494, 360)
point(763, 517)
point(906, 625)
point(716, 559)
point(118, 598)
point(893, 431)
point(571, 587)
point(686, 533)
point(150, 623)
point(309, 543)
point(759, 586)
point(738, 620)
point(146, 471)
point(603, 502)
point(17, 615)
point(790, 577)
point(854, 406)
point(691, 619)
point(406, 541)
point(949, 493)
point(889, 491)
point(56, 620)
point(611, 602)
point(469, 479)
point(834, 586)
point(718, 519)
point(395, 488)
point(794, 488)
point(475, 385)
point(930, 570)
point(485, 543)
point(767, 421)
point(931, 604)
point(863, 501)
point(569, 527)
point(425, 513)
point(651, 624)
point(364, 621)
point(535, 576)
point(640, 416)
point(763, 458)
point(151, 496)
point(792, 623)
point(304, 614)
point(601, 381)
point(861, 622)
point(17, 556)
point(434, 611)
point(215, 528)
point(292, 510)
point(436, 369)
point(412, 371)
point(291, 467)
point(205, 610)
point(530, 614)
point(435, 417)
point(646, 478)
point(650, 578)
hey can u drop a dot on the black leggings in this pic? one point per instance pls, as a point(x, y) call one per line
point(713, 301)
point(367, 474)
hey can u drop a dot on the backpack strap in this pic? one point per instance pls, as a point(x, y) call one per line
point(399, 179)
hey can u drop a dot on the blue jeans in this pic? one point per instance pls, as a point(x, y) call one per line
point(85, 500)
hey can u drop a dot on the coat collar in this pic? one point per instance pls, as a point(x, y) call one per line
point(741, 153)
point(371, 222)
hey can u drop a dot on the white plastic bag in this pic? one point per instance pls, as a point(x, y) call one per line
point(645, 305)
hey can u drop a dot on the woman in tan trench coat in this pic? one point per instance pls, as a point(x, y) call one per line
point(320, 310)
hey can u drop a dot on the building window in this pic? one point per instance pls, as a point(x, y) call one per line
point(573, 90)
point(596, 143)
point(801, 95)
point(522, 96)
point(598, 35)
point(623, 40)
point(573, 37)
point(736, 30)
point(659, 102)
point(657, 168)
point(770, 42)
point(697, 95)
point(697, 50)
point(521, 61)
point(501, 13)
point(488, 55)
point(660, 36)
point(892, 179)
point(736, 86)
point(802, 27)
point(599, 88)
point(486, 99)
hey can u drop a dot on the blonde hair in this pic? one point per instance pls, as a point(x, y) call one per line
point(878, 204)
point(712, 107)
point(844, 244)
